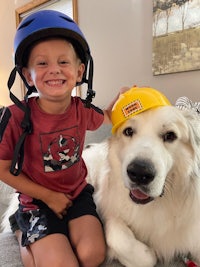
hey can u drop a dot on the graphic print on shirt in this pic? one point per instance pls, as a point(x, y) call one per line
point(60, 150)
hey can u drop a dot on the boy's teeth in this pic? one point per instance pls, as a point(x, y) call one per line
point(55, 82)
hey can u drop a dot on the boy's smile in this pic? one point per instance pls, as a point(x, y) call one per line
point(56, 83)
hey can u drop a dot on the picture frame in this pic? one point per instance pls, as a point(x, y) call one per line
point(176, 36)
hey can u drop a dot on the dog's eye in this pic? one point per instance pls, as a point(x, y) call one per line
point(128, 131)
point(169, 137)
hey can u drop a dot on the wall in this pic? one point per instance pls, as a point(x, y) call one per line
point(120, 36)
point(7, 30)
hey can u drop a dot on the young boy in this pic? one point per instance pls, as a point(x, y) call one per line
point(57, 217)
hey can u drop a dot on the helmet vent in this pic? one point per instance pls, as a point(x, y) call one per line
point(25, 24)
point(67, 19)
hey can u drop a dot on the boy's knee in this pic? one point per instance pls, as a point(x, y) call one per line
point(91, 258)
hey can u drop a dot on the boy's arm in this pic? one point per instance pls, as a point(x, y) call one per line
point(108, 110)
point(56, 201)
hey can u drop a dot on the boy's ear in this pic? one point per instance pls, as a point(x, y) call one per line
point(27, 76)
point(81, 70)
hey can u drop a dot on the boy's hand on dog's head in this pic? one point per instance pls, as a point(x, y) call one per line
point(124, 89)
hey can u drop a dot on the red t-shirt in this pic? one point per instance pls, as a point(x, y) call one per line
point(53, 152)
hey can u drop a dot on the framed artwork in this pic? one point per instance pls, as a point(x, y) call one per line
point(69, 7)
point(176, 36)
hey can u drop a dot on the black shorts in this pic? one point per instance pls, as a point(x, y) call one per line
point(36, 224)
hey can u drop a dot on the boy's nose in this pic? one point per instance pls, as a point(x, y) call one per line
point(54, 69)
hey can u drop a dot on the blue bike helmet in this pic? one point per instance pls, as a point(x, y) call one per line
point(46, 24)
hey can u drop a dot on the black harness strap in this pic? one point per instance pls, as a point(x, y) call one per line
point(26, 125)
point(18, 158)
point(90, 92)
point(5, 115)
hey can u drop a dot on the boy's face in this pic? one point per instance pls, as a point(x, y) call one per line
point(53, 68)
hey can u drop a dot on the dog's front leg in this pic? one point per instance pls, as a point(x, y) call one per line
point(123, 245)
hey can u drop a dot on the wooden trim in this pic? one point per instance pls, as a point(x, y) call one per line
point(25, 8)
point(35, 3)
point(75, 10)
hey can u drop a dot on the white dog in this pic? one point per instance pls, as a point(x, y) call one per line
point(147, 187)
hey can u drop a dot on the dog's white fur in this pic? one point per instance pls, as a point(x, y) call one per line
point(13, 205)
point(139, 235)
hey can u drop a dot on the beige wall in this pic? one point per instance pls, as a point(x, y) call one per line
point(7, 30)
point(120, 36)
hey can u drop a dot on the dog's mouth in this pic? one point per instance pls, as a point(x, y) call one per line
point(139, 197)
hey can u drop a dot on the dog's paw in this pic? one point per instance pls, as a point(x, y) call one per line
point(141, 256)
point(147, 256)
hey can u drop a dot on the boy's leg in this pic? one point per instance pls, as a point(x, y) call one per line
point(53, 250)
point(46, 237)
point(87, 238)
point(26, 254)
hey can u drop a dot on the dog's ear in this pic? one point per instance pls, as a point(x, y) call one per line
point(193, 122)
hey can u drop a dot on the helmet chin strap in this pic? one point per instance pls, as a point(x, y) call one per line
point(26, 125)
point(10, 83)
point(90, 92)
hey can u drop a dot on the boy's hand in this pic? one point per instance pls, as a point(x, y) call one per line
point(124, 89)
point(58, 202)
point(108, 110)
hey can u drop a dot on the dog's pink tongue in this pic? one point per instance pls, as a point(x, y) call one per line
point(138, 194)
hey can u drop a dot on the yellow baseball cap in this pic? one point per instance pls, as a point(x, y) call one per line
point(135, 101)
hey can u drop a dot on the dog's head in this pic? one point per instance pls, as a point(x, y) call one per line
point(158, 151)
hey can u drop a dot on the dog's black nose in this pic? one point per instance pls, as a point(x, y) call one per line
point(141, 171)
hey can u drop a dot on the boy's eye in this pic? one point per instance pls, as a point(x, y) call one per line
point(64, 62)
point(42, 63)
